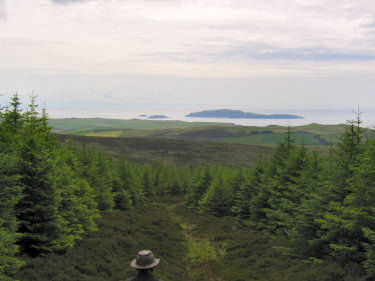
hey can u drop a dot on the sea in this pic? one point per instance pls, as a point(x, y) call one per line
point(310, 115)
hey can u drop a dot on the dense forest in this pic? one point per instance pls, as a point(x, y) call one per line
point(318, 207)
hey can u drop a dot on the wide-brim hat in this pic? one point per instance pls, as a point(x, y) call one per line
point(145, 260)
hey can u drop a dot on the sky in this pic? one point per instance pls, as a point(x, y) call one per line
point(206, 53)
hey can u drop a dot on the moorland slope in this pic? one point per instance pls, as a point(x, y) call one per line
point(174, 151)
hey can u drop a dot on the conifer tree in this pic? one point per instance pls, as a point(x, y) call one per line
point(200, 183)
point(161, 186)
point(77, 207)
point(252, 198)
point(10, 194)
point(283, 170)
point(96, 168)
point(37, 211)
point(12, 117)
point(236, 184)
point(303, 239)
point(343, 233)
point(217, 198)
point(175, 184)
point(148, 188)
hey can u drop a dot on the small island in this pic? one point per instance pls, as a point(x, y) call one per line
point(158, 117)
point(229, 113)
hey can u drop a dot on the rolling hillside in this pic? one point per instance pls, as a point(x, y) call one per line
point(174, 151)
point(313, 134)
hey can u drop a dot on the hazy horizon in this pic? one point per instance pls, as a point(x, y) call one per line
point(217, 54)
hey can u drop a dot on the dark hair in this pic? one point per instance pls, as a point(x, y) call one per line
point(146, 270)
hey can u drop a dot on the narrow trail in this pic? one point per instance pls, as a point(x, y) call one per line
point(201, 253)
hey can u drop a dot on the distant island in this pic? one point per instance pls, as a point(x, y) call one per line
point(158, 117)
point(143, 115)
point(229, 113)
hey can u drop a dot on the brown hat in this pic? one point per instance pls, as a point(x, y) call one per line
point(145, 260)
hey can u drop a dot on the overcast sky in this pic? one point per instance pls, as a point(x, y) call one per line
point(219, 53)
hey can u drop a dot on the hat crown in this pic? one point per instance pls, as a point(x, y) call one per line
point(145, 258)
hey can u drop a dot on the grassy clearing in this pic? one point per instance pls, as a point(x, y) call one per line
point(105, 134)
point(70, 124)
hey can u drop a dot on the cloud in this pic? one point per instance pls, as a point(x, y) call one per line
point(370, 25)
point(68, 1)
point(76, 1)
point(2, 9)
point(189, 38)
point(265, 52)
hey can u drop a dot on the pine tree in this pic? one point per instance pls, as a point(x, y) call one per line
point(161, 186)
point(251, 198)
point(37, 211)
point(77, 207)
point(284, 193)
point(342, 220)
point(96, 169)
point(357, 216)
point(10, 194)
point(303, 239)
point(217, 198)
point(198, 187)
point(12, 118)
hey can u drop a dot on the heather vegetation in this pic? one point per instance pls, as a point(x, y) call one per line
point(70, 212)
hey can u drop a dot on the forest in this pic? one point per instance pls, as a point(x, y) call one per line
point(318, 209)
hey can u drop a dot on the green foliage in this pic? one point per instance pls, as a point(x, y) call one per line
point(200, 251)
point(37, 210)
point(10, 194)
point(97, 169)
point(146, 184)
point(251, 200)
point(46, 206)
point(320, 208)
point(217, 198)
point(77, 207)
point(200, 182)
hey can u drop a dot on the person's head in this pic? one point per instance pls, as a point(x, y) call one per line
point(145, 260)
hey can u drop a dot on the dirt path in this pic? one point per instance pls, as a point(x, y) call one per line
point(201, 253)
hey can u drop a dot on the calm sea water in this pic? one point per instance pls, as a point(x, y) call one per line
point(320, 116)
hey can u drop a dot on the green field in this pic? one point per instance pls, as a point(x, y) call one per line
point(312, 134)
point(70, 124)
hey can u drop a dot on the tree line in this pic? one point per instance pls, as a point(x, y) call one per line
point(322, 207)
point(51, 194)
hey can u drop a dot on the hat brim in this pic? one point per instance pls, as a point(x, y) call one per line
point(135, 265)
